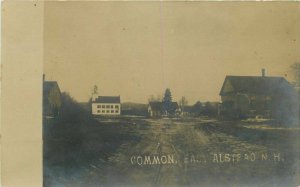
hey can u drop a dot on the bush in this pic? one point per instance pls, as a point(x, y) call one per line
point(70, 126)
point(72, 111)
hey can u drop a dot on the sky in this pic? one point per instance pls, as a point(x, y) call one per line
point(138, 49)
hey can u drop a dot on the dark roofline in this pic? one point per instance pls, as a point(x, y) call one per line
point(108, 99)
point(242, 76)
point(154, 104)
point(161, 102)
point(51, 82)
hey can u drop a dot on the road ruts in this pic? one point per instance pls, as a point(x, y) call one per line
point(184, 138)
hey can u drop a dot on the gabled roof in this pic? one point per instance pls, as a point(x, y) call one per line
point(108, 99)
point(255, 84)
point(158, 106)
point(174, 105)
point(48, 86)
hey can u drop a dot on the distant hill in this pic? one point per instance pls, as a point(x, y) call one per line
point(131, 105)
point(130, 108)
point(127, 108)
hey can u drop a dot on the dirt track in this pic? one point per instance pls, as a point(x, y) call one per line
point(205, 154)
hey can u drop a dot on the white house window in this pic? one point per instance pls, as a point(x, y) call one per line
point(107, 105)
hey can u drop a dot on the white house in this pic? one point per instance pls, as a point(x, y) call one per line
point(106, 105)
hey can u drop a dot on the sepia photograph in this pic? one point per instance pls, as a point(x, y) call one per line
point(171, 93)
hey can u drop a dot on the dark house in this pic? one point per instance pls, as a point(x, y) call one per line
point(51, 98)
point(188, 110)
point(249, 96)
point(157, 109)
point(211, 109)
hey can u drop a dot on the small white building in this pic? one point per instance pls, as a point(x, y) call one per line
point(106, 106)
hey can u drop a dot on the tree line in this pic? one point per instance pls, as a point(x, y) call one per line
point(197, 109)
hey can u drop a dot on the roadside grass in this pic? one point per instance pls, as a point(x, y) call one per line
point(89, 152)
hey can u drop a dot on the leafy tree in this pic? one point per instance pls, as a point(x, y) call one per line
point(167, 96)
point(167, 101)
point(210, 109)
point(71, 110)
point(197, 108)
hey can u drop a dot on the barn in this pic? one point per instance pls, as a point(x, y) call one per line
point(247, 96)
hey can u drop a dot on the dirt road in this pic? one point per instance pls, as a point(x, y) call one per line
point(190, 152)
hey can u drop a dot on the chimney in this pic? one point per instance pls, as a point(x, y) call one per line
point(263, 72)
point(44, 77)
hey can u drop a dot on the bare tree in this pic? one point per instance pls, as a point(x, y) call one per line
point(94, 93)
point(95, 90)
point(183, 102)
